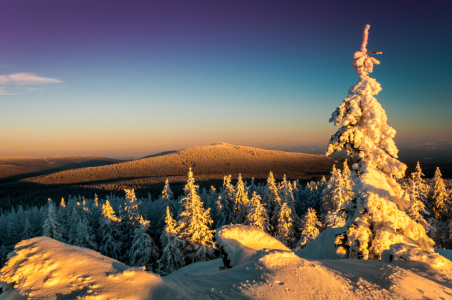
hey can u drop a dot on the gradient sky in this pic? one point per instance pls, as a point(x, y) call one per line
point(131, 78)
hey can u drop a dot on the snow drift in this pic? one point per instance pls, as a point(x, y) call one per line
point(45, 269)
point(240, 242)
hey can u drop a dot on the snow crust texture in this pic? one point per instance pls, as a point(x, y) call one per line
point(240, 242)
point(43, 268)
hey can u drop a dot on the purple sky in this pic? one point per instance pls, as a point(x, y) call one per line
point(132, 78)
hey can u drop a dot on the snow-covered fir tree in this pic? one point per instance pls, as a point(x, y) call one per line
point(417, 207)
point(27, 232)
point(284, 229)
point(240, 202)
point(438, 197)
point(85, 236)
point(51, 227)
point(257, 214)
point(335, 198)
point(421, 185)
point(109, 235)
point(167, 197)
point(193, 225)
point(143, 251)
point(130, 218)
point(251, 188)
point(225, 205)
point(310, 228)
point(172, 258)
point(73, 224)
point(271, 200)
point(376, 215)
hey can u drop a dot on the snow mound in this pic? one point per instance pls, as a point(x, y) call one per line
point(43, 268)
point(414, 253)
point(322, 247)
point(240, 242)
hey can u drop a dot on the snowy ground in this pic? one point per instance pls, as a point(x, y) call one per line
point(43, 268)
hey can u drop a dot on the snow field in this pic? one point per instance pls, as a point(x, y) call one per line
point(43, 268)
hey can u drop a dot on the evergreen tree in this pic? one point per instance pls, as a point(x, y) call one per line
point(167, 197)
point(271, 200)
point(28, 231)
point(417, 205)
point(4, 250)
point(84, 235)
point(310, 228)
point(109, 234)
point(172, 258)
point(240, 202)
point(130, 218)
point(419, 181)
point(284, 231)
point(335, 198)
point(143, 251)
point(251, 188)
point(12, 234)
point(257, 215)
point(225, 205)
point(193, 225)
point(438, 197)
point(377, 211)
point(74, 219)
point(51, 227)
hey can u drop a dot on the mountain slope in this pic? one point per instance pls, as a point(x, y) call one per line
point(16, 168)
point(216, 159)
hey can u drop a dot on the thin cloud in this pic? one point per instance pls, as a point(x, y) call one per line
point(19, 130)
point(26, 79)
point(3, 92)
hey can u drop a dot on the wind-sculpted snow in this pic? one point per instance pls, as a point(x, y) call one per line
point(240, 242)
point(45, 269)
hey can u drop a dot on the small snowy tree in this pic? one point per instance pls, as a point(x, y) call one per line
point(84, 235)
point(240, 202)
point(257, 215)
point(27, 233)
point(109, 234)
point(271, 200)
point(73, 224)
point(376, 214)
point(438, 197)
point(310, 228)
point(172, 258)
point(419, 181)
point(284, 231)
point(193, 225)
point(417, 205)
point(143, 251)
point(225, 205)
point(51, 227)
point(335, 198)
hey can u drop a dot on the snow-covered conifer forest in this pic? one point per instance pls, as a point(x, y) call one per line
point(248, 240)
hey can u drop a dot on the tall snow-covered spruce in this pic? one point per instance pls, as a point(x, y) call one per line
point(193, 225)
point(376, 217)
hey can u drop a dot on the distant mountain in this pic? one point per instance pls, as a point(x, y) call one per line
point(16, 168)
point(217, 159)
point(147, 175)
